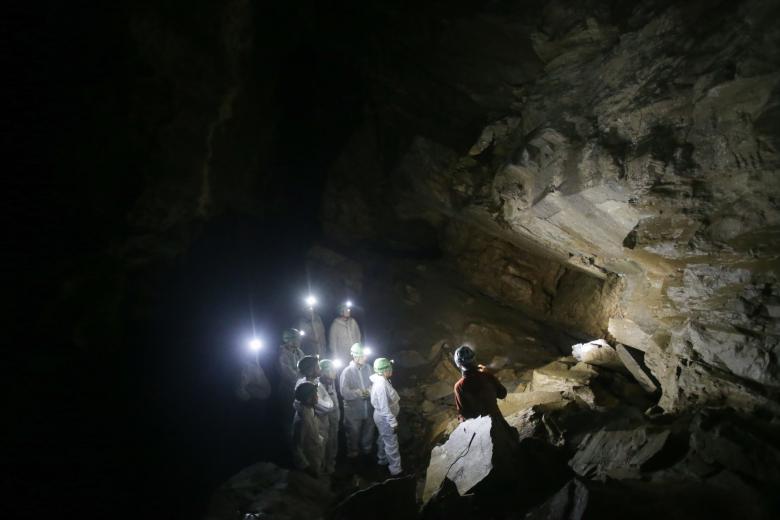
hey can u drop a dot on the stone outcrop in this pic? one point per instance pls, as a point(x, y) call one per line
point(628, 187)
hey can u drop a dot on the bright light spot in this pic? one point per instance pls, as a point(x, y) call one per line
point(302, 333)
point(366, 351)
point(311, 301)
point(349, 304)
point(255, 344)
point(337, 363)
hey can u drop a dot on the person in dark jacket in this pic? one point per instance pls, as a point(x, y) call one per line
point(476, 392)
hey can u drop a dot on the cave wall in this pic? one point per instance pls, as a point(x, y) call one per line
point(627, 181)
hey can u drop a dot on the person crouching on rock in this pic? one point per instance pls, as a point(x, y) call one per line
point(385, 401)
point(476, 392)
point(307, 443)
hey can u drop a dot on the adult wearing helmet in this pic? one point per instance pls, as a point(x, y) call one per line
point(476, 392)
point(306, 440)
point(355, 385)
point(309, 369)
point(385, 401)
point(344, 332)
point(289, 356)
point(314, 341)
point(328, 382)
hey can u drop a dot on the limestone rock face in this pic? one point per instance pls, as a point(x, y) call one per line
point(628, 186)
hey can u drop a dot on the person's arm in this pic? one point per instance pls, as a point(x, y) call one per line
point(500, 389)
point(332, 340)
point(324, 403)
point(382, 404)
point(289, 372)
point(458, 392)
point(350, 390)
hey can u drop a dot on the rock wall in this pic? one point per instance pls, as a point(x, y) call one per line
point(627, 181)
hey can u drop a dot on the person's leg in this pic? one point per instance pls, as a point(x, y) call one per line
point(392, 452)
point(367, 435)
point(332, 446)
point(381, 458)
point(352, 430)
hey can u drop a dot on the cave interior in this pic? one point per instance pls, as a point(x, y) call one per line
point(588, 193)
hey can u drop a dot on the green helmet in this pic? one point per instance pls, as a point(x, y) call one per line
point(326, 364)
point(290, 335)
point(382, 364)
point(356, 350)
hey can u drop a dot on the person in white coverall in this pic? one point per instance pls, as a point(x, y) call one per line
point(307, 443)
point(328, 382)
point(344, 332)
point(355, 385)
point(289, 355)
point(309, 369)
point(385, 401)
point(313, 342)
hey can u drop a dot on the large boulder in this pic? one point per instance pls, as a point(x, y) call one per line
point(266, 489)
point(390, 499)
point(618, 454)
point(597, 352)
point(465, 459)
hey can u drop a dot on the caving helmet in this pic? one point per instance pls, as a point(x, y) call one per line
point(382, 364)
point(356, 350)
point(291, 335)
point(464, 357)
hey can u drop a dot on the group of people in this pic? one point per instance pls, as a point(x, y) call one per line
point(313, 388)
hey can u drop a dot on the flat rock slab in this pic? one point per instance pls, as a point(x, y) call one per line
point(633, 360)
point(518, 401)
point(557, 377)
point(618, 454)
point(465, 459)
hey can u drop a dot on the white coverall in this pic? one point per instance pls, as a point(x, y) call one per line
point(385, 400)
point(344, 332)
point(332, 440)
point(253, 383)
point(322, 411)
point(314, 342)
point(288, 377)
point(307, 443)
point(358, 423)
